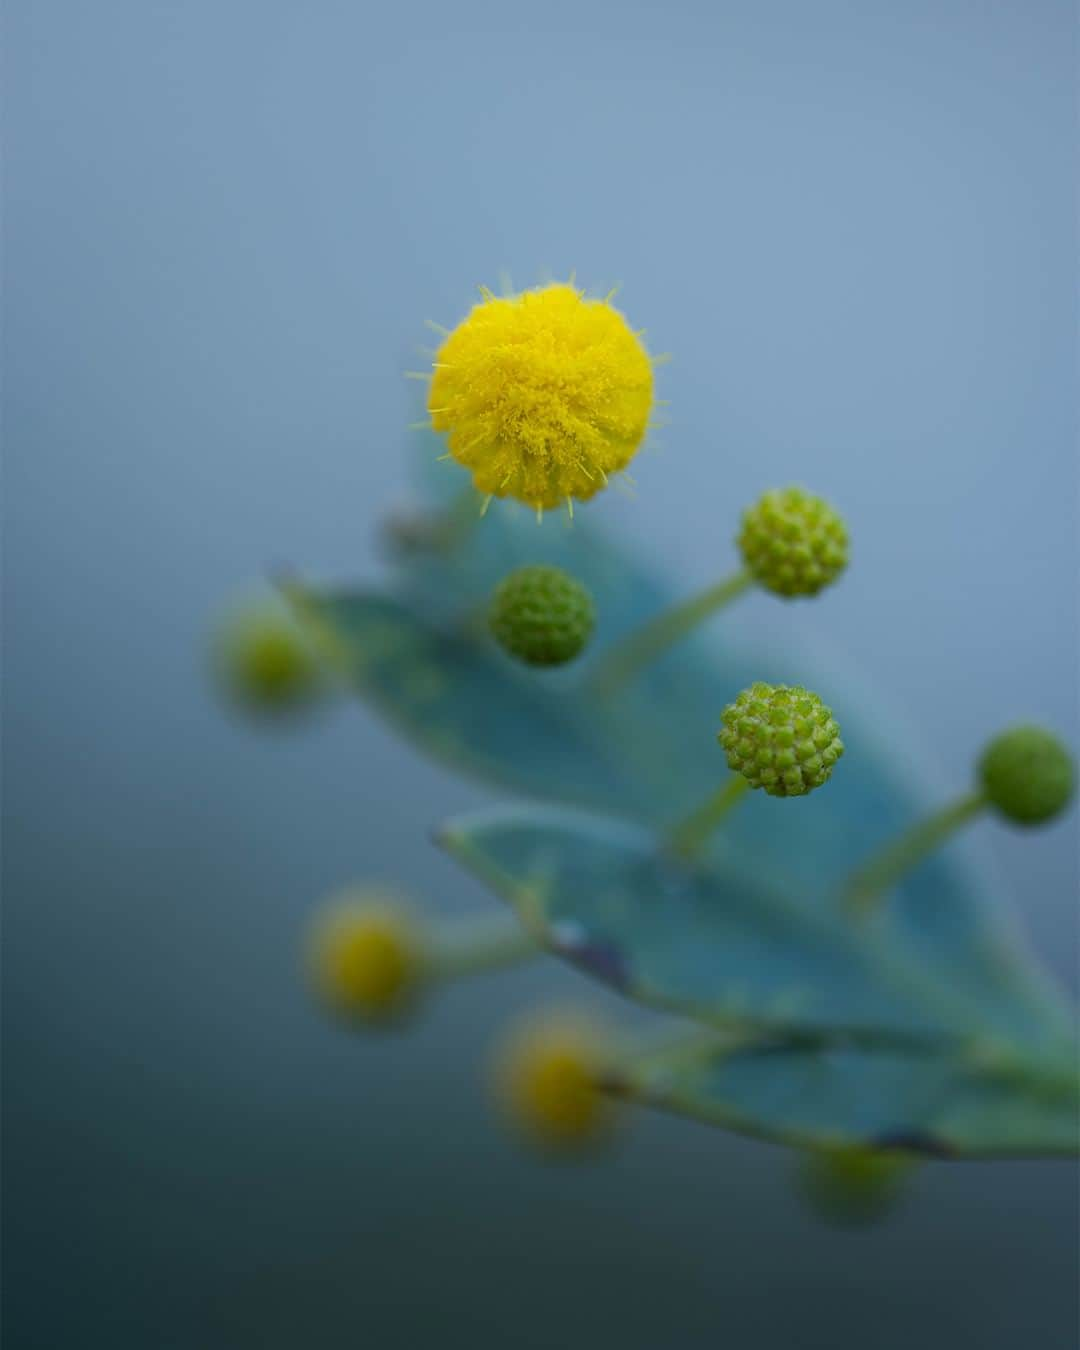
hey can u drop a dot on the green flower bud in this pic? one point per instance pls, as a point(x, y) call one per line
point(264, 664)
point(792, 542)
point(541, 615)
point(854, 1185)
point(781, 739)
point(1027, 775)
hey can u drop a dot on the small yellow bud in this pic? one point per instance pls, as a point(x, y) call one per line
point(263, 663)
point(545, 1078)
point(542, 395)
point(367, 958)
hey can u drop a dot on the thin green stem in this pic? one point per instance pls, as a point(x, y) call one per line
point(870, 883)
point(687, 838)
point(473, 945)
point(627, 657)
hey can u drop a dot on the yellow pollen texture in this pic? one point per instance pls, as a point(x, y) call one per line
point(542, 395)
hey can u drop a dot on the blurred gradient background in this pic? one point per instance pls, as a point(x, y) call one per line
point(854, 224)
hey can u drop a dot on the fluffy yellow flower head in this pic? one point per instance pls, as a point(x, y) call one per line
point(366, 957)
point(542, 395)
point(545, 1078)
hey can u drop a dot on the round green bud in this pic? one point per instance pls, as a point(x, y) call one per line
point(780, 738)
point(264, 664)
point(793, 542)
point(541, 615)
point(1027, 775)
point(854, 1185)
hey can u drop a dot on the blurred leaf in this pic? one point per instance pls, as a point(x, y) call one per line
point(830, 1096)
point(725, 944)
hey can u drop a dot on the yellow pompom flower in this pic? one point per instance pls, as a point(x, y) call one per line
point(366, 957)
point(546, 1083)
point(542, 395)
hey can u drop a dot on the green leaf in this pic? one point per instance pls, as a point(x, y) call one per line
point(461, 700)
point(832, 1096)
point(726, 944)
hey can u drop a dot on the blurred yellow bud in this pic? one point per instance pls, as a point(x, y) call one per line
point(263, 662)
point(854, 1185)
point(546, 1082)
point(367, 957)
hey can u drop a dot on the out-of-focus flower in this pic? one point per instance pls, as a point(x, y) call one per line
point(853, 1185)
point(263, 663)
point(367, 957)
point(1028, 775)
point(546, 1082)
point(541, 615)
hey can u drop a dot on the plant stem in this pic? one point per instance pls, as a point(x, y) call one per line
point(473, 945)
point(687, 838)
point(869, 883)
point(627, 657)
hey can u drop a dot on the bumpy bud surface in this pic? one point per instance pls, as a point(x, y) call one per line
point(541, 615)
point(264, 664)
point(782, 739)
point(545, 1077)
point(367, 957)
point(1028, 775)
point(793, 542)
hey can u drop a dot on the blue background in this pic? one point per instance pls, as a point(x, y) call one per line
point(854, 225)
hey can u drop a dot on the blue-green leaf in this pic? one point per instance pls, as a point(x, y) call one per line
point(726, 944)
point(462, 701)
point(829, 1096)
